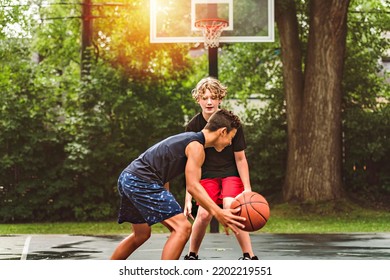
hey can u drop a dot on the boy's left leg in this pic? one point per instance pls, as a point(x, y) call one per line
point(199, 227)
point(180, 229)
point(203, 217)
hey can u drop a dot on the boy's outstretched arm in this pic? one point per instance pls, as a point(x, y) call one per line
point(195, 158)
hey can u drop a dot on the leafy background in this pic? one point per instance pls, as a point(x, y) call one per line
point(65, 136)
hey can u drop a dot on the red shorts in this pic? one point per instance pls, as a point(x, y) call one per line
point(219, 188)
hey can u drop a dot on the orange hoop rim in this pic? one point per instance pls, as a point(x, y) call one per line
point(212, 29)
point(210, 23)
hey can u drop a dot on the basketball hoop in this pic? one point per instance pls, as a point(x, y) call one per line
point(211, 29)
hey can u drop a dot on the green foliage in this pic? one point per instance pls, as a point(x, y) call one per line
point(366, 110)
point(30, 143)
point(64, 140)
point(366, 45)
point(367, 148)
point(266, 152)
point(252, 69)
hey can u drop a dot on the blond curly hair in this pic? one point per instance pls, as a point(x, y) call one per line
point(217, 89)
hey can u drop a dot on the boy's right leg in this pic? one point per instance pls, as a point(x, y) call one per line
point(199, 228)
point(141, 233)
point(203, 218)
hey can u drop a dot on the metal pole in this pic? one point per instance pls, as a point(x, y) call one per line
point(86, 38)
point(213, 62)
point(213, 72)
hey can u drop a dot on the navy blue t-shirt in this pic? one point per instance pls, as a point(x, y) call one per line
point(165, 160)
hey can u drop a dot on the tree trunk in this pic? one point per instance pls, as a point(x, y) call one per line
point(313, 99)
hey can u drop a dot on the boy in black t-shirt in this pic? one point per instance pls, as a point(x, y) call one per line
point(224, 174)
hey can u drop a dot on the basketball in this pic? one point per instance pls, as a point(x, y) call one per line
point(254, 207)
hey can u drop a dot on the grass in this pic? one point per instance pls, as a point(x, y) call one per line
point(335, 217)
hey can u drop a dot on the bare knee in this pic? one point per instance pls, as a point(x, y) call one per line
point(185, 229)
point(203, 216)
point(179, 227)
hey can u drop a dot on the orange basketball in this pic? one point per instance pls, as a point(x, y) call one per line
point(254, 207)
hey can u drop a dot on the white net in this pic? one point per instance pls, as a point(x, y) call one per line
point(211, 29)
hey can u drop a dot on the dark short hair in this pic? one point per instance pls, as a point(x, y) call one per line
point(223, 118)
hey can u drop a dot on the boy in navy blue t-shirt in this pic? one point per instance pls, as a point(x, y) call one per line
point(145, 201)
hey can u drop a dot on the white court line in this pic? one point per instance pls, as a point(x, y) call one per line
point(25, 248)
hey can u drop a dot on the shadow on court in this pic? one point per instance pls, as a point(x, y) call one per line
point(214, 247)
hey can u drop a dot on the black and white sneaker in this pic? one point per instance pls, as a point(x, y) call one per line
point(191, 256)
point(246, 257)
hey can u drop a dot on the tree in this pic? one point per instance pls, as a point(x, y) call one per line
point(364, 94)
point(313, 87)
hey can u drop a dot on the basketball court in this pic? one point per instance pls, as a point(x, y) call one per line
point(207, 24)
point(216, 246)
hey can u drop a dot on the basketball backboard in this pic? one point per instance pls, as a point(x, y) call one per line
point(173, 21)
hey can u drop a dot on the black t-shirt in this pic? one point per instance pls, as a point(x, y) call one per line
point(165, 160)
point(218, 164)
